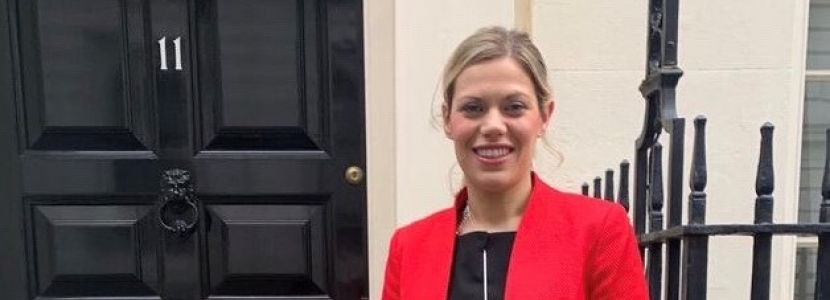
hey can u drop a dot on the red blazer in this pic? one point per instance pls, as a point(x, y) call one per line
point(567, 246)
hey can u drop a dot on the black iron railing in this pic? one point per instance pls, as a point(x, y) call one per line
point(686, 246)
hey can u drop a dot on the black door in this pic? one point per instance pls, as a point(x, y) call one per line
point(182, 149)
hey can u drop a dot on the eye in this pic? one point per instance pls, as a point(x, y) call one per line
point(471, 108)
point(515, 107)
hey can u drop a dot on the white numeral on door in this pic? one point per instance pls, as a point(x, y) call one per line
point(163, 52)
point(177, 43)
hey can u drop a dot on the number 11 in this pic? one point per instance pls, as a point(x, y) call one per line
point(177, 43)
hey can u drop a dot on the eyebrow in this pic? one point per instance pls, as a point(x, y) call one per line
point(467, 99)
point(514, 96)
point(518, 96)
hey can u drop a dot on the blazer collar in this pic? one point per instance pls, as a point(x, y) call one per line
point(535, 247)
point(461, 197)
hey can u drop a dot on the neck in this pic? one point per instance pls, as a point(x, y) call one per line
point(496, 212)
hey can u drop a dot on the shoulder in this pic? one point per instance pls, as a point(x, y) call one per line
point(425, 227)
point(577, 209)
point(589, 205)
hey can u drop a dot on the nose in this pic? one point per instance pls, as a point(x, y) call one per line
point(493, 124)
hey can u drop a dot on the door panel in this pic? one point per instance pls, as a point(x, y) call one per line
point(71, 67)
point(93, 250)
point(268, 249)
point(260, 76)
point(84, 87)
point(258, 73)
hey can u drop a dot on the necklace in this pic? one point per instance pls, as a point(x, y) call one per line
point(465, 216)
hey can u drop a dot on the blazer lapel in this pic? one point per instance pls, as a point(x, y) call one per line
point(440, 257)
point(533, 269)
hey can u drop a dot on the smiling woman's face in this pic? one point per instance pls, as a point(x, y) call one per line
point(494, 121)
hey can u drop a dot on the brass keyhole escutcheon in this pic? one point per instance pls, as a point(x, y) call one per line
point(354, 175)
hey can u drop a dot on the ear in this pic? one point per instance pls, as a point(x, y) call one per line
point(547, 113)
point(445, 116)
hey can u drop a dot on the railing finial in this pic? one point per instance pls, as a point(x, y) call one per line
point(762, 246)
point(609, 185)
point(656, 188)
point(698, 176)
point(655, 193)
point(623, 197)
point(765, 180)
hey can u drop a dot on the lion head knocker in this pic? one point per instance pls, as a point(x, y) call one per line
point(178, 208)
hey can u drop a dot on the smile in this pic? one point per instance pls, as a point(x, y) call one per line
point(492, 152)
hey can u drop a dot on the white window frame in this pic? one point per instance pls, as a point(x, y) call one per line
point(810, 75)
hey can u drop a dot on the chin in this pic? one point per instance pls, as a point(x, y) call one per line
point(493, 181)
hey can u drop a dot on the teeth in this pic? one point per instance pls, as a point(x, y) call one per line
point(493, 152)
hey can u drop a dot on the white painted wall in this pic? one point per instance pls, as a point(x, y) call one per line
point(743, 63)
point(379, 41)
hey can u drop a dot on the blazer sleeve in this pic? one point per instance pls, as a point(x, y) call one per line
point(615, 270)
point(392, 278)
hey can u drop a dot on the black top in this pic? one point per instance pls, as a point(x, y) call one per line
point(467, 279)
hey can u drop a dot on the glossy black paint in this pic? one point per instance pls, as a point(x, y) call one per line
point(659, 90)
point(654, 267)
point(266, 114)
point(675, 203)
point(623, 195)
point(609, 185)
point(696, 248)
point(13, 281)
point(762, 242)
point(698, 176)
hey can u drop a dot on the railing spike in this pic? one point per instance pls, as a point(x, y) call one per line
point(622, 197)
point(764, 183)
point(598, 187)
point(697, 180)
point(655, 196)
point(674, 203)
point(656, 188)
point(609, 185)
point(695, 249)
point(762, 246)
point(698, 177)
point(765, 180)
point(585, 187)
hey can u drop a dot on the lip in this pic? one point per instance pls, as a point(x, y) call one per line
point(493, 153)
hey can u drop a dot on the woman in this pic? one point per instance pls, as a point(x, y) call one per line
point(509, 235)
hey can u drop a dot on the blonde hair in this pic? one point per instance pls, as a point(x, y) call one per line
point(496, 42)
